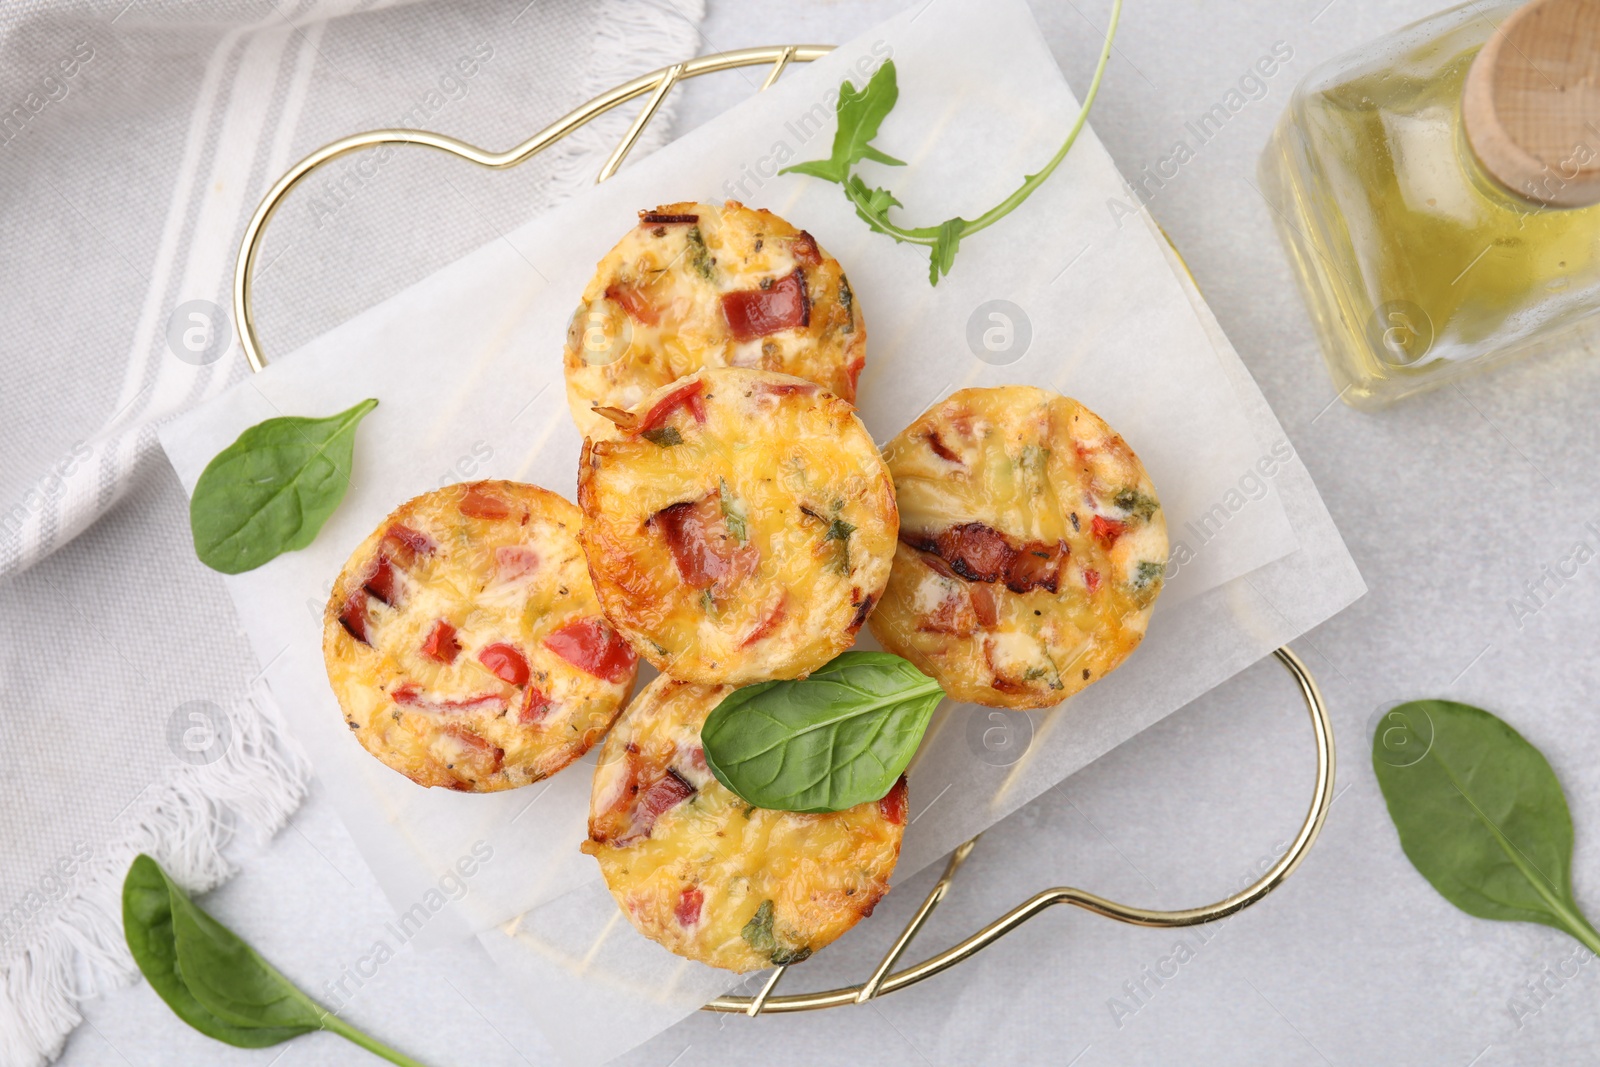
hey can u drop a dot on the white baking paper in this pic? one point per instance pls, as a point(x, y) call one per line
point(466, 365)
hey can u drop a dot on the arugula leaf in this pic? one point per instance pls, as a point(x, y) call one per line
point(272, 489)
point(839, 738)
point(872, 205)
point(213, 980)
point(945, 246)
point(859, 114)
point(1480, 814)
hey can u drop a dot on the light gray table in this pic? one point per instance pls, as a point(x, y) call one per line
point(1449, 504)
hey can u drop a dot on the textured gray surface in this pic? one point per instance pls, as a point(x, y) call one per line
point(1449, 504)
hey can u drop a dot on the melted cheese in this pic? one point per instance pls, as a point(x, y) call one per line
point(513, 580)
point(674, 275)
point(797, 476)
point(763, 886)
point(1038, 468)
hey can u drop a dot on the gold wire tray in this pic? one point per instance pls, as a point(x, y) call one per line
point(884, 979)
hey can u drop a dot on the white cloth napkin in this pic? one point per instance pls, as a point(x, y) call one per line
point(135, 141)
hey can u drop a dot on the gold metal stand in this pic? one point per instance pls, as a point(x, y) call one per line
point(884, 979)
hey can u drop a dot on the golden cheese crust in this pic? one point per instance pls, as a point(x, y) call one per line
point(741, 528)
point(1031, 549)
point(465, 643)
point(696, 285)
point(708, 876)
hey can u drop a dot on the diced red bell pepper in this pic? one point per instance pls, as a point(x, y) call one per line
point(1106, 531)
point(505, 663)
point(441, 643)
point(690, 902)
point(593, 647)
point(684, 396)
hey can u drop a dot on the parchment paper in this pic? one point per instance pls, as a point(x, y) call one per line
point(466, 365)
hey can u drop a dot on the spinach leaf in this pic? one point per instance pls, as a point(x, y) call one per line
point(839, 738)
point(211, 979)
point(272, 489)
point(1480, 813)
point(148, 900)
point(859, 115)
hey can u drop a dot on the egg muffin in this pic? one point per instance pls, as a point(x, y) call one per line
point(465, 643)
point(696, 285)
point(713, 878)
point(1031, 552)
point(740, 528)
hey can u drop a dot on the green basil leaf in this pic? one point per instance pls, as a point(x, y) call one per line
point(1480, 814)
point(211, 979)
point(148, 901)
point(859, 114)
point(272, 489)
point(230, 979)
point(839, 738)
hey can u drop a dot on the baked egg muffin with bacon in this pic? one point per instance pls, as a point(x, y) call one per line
point(707, 875)
point(465, 643)
point(739, 528)
point(696, 285)
point(1032, 547)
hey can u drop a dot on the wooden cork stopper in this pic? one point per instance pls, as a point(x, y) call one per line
point(1531, 104)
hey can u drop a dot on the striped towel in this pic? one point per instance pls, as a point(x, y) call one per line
point(136, 139)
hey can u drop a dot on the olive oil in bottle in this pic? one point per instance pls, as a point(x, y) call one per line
point(1436, 192)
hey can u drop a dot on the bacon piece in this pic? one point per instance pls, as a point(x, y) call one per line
point(702, 547)
point(441, 643)
point(976, 552)
point(634, 300)
point(786, 388)
point(805, 250)
point(690, 902)
point(535, 706)
point(480, 748)
point(592, 646)
point(353, 616)
point(478, 504)
point(514, 561)
point(862, 611)
point(683, 396)
point(753, 313)
point(954, 615)
point(1106, 531)
point(853, 373)
point(403, 545)
point(940, 449)
point(765, 627)
point(1091, 580)
point(409, 696)
point(649, 218)
point(893, 804)
point(983, 606)
point(930, 556)
point(505, 662)
point(1036, 566)
point(666, 793)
